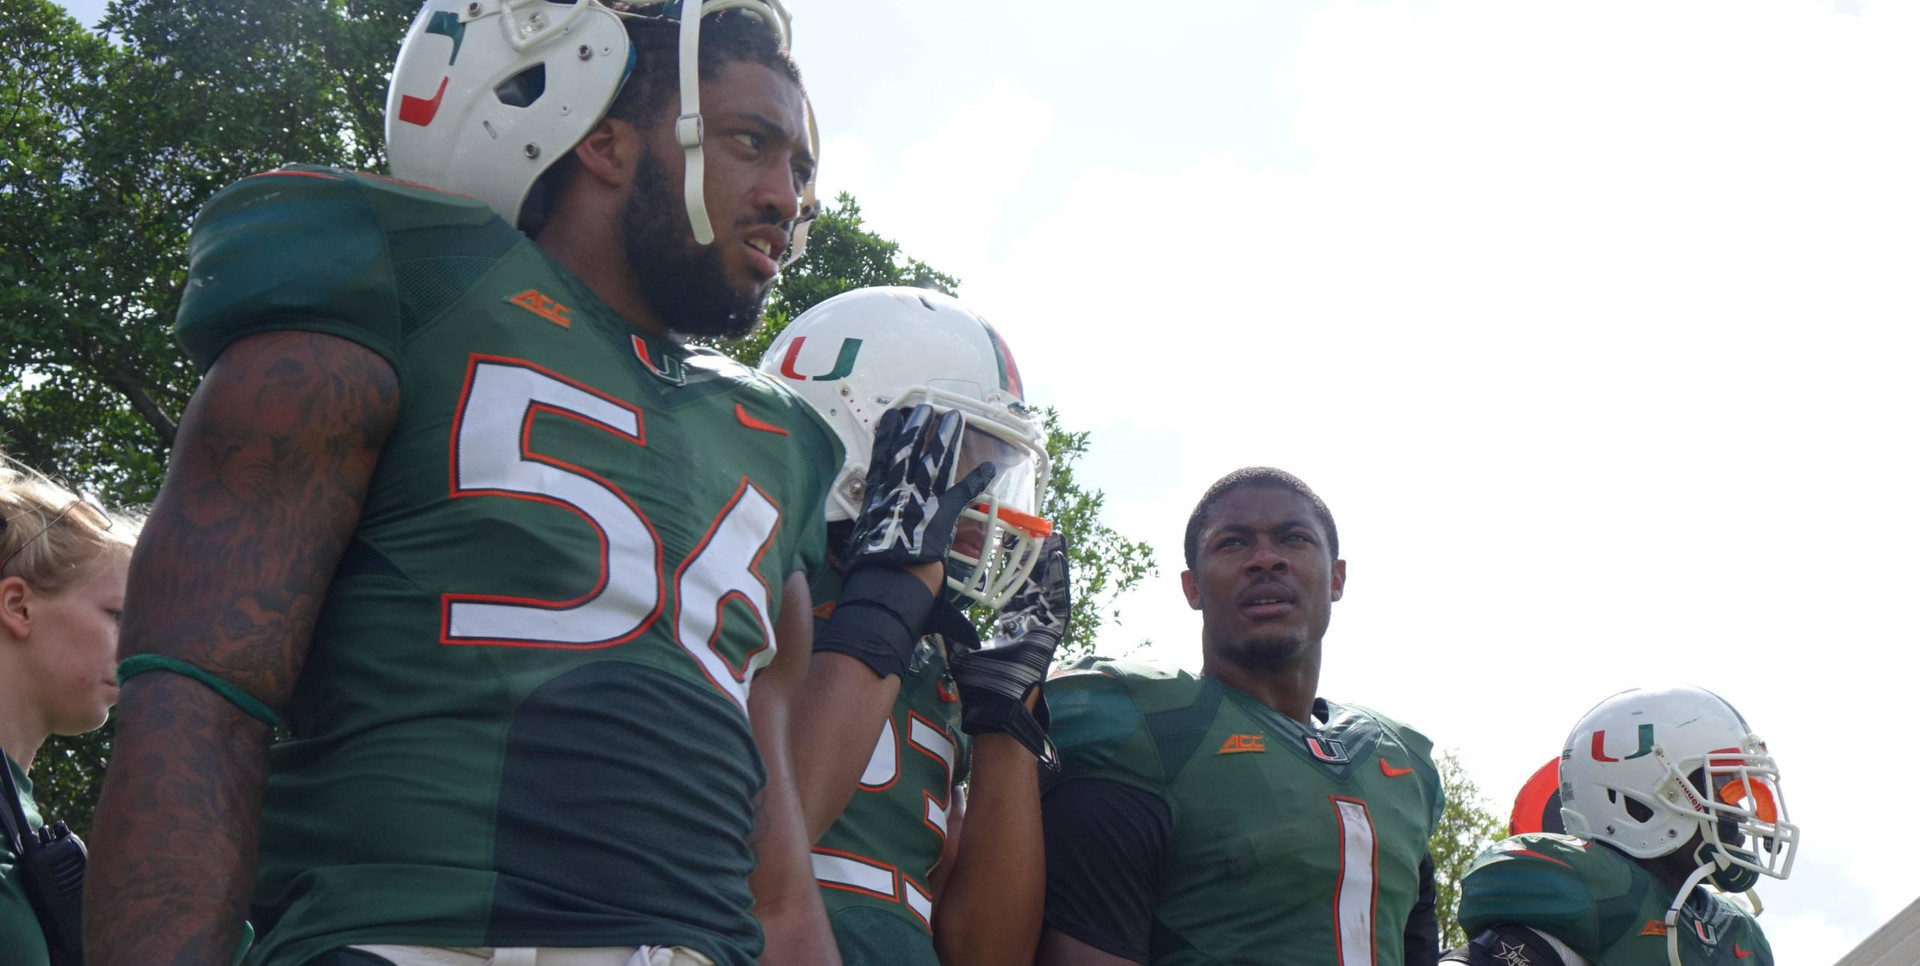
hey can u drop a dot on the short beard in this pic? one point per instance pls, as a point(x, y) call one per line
point(1266, 653)
point(685, 283)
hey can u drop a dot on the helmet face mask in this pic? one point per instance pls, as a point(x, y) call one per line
point(1652, 772)
point(488, 94)
point(861, 353)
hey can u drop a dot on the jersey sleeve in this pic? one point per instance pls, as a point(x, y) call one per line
point(818, 460)
point(1099, 729)
point(1531, 881)
point(1420, 752)
point(1105, 846)
point(289, 249)
point(335, 252)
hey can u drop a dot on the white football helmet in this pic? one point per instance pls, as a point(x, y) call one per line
point(488, 94)
point(1646, 769)
point(861, 353)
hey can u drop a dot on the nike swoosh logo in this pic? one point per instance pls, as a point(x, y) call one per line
point(1739, 953)
point(1392, 772)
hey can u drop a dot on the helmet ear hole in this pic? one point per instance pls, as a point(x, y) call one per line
point(1638, 810)
point(522, 89)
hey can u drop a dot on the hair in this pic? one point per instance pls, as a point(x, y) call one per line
point(51, 537)
point(725, 38)
point(1256, 476)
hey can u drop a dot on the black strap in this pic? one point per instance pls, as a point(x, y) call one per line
point(52, 864)
point(18, 828)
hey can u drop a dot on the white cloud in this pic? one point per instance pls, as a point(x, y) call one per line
point(946, 191)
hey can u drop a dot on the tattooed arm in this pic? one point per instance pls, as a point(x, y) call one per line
point(785, 896)
point(268, 472)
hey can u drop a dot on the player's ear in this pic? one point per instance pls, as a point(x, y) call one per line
point(609, 151)
point(1191, 585)
point(15, 602)
point(1339, 578)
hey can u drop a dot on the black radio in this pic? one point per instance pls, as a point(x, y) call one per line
point(53, 868)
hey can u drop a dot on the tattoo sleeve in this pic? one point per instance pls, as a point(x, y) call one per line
point(263, 492)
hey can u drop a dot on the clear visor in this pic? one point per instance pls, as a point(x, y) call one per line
point(999, 536)
point(1013, 480)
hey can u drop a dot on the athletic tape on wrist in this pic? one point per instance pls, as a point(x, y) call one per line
point(142, 663)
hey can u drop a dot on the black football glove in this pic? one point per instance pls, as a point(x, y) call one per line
point(909, 517)
point(911, 509)
point(995, 679)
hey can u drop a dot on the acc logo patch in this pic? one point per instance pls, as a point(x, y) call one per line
point(533, 301)
point(1240, 744)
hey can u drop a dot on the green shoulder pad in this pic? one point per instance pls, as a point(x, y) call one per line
point(1557, 884)
point(766, 403)
point(1740, 926)
point(330, 251)
point(1109, 717)
point(1420, 749)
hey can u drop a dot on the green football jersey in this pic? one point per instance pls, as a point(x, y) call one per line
point(875, 862)
point(1292, 844)
point(522, 720)
point(22, 943)
point(1602, 904)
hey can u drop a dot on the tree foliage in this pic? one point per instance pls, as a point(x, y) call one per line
point(1466, 828)
point(108, 148)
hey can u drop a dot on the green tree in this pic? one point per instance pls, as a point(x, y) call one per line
point(108, 149)
point(1466, 828)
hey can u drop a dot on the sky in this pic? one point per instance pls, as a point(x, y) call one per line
point(1593, 322)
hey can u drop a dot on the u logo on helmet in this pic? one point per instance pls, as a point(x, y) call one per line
point(842, 364)
point(1646, 745)
point(421, 110)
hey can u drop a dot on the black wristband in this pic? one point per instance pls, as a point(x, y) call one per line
point(878, 619)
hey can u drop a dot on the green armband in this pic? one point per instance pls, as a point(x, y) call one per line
point(142, 663)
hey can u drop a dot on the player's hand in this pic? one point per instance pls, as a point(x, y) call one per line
point(912, 505)
point(995, 680)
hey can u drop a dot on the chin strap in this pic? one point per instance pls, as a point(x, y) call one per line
point(690, 129)
point(1673, 912)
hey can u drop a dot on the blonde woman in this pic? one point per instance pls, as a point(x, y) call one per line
point(63, 572)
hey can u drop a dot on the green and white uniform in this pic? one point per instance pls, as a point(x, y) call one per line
point(1290, 843)
point(1602, 905)
point(22, 940)
point(522, 719)
point(874, 863)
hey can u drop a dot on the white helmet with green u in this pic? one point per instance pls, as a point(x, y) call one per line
point(861, 353)
point(488, 94)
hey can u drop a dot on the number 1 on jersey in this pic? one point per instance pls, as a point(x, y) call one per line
point(1357, 891)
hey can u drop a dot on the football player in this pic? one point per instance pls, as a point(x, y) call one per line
point(523, 577)
point(1537, 807)
point(903, 886)
point(1663, 791)
point(1236, 817)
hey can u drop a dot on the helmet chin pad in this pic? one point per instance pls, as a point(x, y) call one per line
point(1728, 874)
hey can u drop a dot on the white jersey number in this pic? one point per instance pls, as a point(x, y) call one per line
point(492, 457)
point(857, 873)
point(1354, 896)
